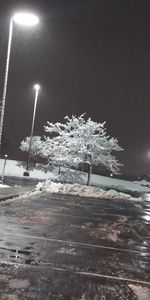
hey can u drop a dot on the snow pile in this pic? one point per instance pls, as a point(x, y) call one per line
point(3, 186)
point(82, 191)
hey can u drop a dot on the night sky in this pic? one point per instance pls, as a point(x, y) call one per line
point(89, 56)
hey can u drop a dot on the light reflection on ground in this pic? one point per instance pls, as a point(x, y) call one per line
point(146, 197)
point(147, 218)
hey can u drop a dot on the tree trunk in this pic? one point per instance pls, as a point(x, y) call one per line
point(89, 175)
point(34, 161)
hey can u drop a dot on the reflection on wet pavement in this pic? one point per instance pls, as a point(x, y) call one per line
point(62, 247)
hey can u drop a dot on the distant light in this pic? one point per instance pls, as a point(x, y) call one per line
point(148, 154)
point(6, 155)
point(37, 87)
point(147, 218)
point(26, 19)
point(111, 174)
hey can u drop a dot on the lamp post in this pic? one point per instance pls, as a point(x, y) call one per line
point(25, 19)
point(5, 160)
point(37, 88)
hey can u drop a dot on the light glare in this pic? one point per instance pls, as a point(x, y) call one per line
point(37, 87)
point(26, 19)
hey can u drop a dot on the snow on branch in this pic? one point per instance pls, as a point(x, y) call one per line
point(75, 143)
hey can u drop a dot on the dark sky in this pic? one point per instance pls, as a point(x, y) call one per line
point(89, 56)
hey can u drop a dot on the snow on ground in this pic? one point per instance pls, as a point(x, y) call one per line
point(3, 186)
point(143, 183)
point(16, 169)
point(119, 184)
point(82, 191)
point(72, 176)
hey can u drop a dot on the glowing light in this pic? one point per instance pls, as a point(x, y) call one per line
point(37, 87)
point(147, 218)
point(26, 19)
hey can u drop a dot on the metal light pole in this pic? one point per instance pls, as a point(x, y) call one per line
point(37, 88)
point(6, 80)
point(25, 19)
point(5, 160)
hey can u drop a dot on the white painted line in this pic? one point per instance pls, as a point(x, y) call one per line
point(101, 276)
point(88, 274)
point(73, 216)
point(79, 244)
point(42, 221)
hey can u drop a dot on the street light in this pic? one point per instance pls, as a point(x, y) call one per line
point(25, 19)
point(37, 88)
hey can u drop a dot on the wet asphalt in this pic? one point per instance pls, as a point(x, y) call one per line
point(66, 247)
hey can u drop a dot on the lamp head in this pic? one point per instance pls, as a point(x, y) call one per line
point(37, 87)
point(26, 19)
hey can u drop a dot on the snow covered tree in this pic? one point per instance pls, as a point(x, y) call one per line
point(80, 141)
point(56, 153)
point(36, 146)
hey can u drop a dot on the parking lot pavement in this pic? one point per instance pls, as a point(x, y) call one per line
point(65, 247)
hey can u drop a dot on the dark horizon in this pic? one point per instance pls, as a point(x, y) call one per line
point(88, 56)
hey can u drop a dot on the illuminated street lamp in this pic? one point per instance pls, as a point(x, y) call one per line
point(37, 88)
point(25, 19)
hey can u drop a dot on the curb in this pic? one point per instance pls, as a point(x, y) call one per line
point(12, 196)
point(9, 197)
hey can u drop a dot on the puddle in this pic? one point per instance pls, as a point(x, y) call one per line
point(25, 252)
point(32, 262)
point(23, 256)
point(27, 248)
point(70, 251)
point(28, 261)
point(15, 256)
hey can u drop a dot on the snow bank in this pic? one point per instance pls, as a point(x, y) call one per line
point(3, 186)
point(82, 191)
